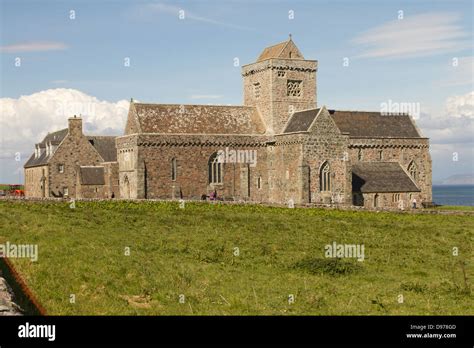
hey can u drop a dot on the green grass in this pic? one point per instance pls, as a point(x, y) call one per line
point(455, 207)
point(190, 252)
point(7, 187)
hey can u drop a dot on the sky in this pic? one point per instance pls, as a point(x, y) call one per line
point(58, 58)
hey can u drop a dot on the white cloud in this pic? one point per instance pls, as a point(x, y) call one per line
point(455, 125)
point(185, 14)
point(461, 106)
point(414, 36)
point(26, 120)
point(37, 46)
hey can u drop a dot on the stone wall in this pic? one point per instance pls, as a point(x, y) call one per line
point(8, 306)
point(74, 151)
point(389, 200)
point(148, 166)
point(326, 144)
point(34, 185)
point(403, 151)
point(91, 191)
point(112, 184)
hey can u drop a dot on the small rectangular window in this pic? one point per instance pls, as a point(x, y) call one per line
point(174, 169)
point(61, 168)
point(65, 191)
point(256, 90)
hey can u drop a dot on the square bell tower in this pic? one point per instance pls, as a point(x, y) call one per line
point(279, 83)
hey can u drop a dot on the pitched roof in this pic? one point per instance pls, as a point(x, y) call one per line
point(374, 124)
point(381, 177)
point(300, 121)
point(92, 175)
point(55, 138)
point(105, 146)
point(281, 50)
point(198, 119)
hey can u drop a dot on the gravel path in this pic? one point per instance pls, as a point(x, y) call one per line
point(7, 304)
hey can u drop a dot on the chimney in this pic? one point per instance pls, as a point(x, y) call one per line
point(75, 126)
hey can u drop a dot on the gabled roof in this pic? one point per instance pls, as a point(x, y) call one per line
point(92, 175)
point(281, 50)
point(300, 121)
point(374, 124)
point(374, 177)
point(55, 138)
point(198, 119)
point(105, 146)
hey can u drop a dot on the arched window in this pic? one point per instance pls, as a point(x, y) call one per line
point(376, 200)
point(412, 170)
point(325, 178)
point(259, 182)
point(215, 170)
point(174, 169)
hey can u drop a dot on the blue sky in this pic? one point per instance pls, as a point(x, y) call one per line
point(191, 60)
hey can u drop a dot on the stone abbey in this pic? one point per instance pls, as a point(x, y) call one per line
point(304, 152)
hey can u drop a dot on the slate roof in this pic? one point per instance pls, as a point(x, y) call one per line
point(276, 51)
point(105, 146)
point(374, 124)
point(55, 138)
point(198, 119)
point(92, 175)
point(381, 177)
point(301, 121)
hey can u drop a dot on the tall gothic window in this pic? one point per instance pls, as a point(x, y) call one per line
point(215, 170)
point(174, 169)
point(412, 170)
point(325, 178)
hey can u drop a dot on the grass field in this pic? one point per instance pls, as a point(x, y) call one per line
point(7, 187)
point(185, 261)
point(455, 207)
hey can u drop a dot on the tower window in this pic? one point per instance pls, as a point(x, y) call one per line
point(281, 73)
point(380, 155)
point(412, 170)
point(61, 168)
point(359, 155)
point(256, 90)
point(174, 169)
point(293, 88)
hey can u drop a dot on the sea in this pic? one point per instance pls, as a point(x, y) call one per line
point(453, 194)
